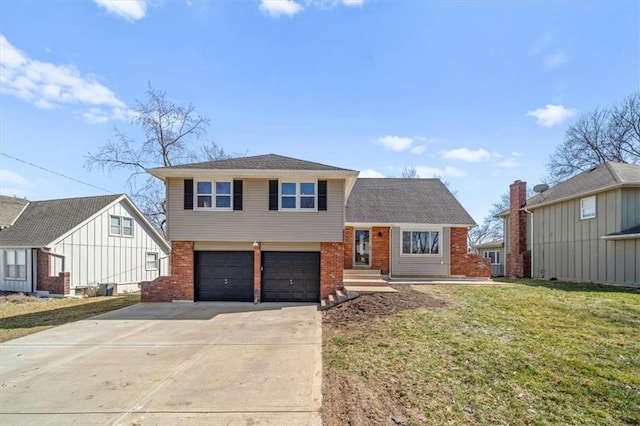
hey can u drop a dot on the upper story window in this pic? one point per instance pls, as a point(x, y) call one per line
point(588, 207)
point(121, 226)
point(213, 195)
point(420, 242)
point(494, 255)
point(298, 196)
point(15, 264)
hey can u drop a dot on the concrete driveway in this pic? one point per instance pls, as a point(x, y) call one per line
point(168, 364)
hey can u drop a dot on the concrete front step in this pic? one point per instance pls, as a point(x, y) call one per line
point(370, 289)
point(339, 297)
point(367, 272)
point(361, 282)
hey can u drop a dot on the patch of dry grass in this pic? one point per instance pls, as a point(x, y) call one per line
point(21, 315)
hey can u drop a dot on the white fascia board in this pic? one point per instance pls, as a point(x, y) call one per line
point(621, 237)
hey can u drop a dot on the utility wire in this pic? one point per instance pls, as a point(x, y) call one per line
point(56, 173)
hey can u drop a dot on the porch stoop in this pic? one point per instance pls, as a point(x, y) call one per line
point(355, 283)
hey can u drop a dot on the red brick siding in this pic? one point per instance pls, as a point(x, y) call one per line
point(180, 284)
point(463, 262)
point(380, 248)
point(331, 268)
point(53, 284)
point(519, 259)
point(348, 247)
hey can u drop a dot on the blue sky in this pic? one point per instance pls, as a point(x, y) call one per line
point(479, 93)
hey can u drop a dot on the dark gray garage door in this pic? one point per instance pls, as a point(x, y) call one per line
point(224, 276)
point(290, 276)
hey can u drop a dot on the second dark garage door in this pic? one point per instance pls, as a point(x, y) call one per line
point(290, 276)
point(224, 276)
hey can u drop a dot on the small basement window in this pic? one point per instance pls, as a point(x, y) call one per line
point(588, 208)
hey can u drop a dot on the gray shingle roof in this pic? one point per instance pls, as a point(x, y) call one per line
point(44, 221)
point(10, 208)
point(600, 177)
point(259, 162)
point(389, 200)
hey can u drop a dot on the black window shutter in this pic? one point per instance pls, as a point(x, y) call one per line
point(188, 194)
point(273, 195)
point(322, 195)
point(237, 195)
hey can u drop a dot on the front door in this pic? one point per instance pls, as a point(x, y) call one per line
point(362, 249)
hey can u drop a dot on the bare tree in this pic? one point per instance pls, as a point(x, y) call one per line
point(611, 134)
point(410, 173)
point(169, 131)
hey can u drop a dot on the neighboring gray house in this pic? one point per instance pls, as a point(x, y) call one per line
point(586, 228)
point(62, 246)
point(494, 251)
point(408, 227)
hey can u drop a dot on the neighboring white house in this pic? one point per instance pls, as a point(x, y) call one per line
point(63, 246)
point(494, 251)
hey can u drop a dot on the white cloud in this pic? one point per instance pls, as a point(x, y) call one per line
point(8, 177)
point(419, 149)
point(551, 115)
point(509, 163)
point(466, 154)
point(542, 43)
point(276, 8)
point(48, 85)
point(429, 172)
point(402, 143)
point(554, 60)
point(130, 10)
point(395, 143)
point(370, 173)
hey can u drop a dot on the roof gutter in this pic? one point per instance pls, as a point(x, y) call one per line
point(621, 237)
point(532, 240)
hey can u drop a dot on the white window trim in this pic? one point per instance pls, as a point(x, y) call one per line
point(298, 195)
point(5, 265)
point(121, 234)
point(582, 201)
point(485, 255)
point(213, 196)
point(440, 249)
point(156, 262)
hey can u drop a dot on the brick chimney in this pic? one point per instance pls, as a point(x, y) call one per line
point(519, 259)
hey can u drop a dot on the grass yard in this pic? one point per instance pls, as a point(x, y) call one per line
point(526, 352)
point(21, 315)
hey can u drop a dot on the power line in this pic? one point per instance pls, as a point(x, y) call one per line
point(56, 173)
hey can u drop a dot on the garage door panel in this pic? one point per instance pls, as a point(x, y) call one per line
point(291, 276)
point(224, 276)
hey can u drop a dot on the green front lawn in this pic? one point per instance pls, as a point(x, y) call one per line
point(529, 352)
point(21, 315)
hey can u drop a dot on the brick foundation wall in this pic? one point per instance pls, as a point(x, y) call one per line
point(519, 259)
point(180, 284)
point(331, 268)
point(60, 284)
point(463, 262)
point(380, 248)
point(348, 247)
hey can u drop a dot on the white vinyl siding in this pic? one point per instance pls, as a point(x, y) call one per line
point(255, 222)
point(92, 255)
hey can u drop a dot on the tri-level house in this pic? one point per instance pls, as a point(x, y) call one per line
point(261, 228)
point(272, 228)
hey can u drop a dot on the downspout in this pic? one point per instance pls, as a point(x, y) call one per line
point(390, 250)
point(532, 239)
